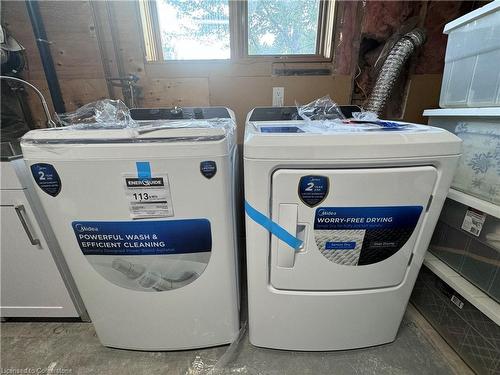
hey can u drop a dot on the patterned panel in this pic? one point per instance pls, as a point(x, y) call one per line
point(380, 244)
point(478, 353)
point(481, 323)
point(453, 328)
point(496, 369)
point(348, 257)
point(478, 172)
point(494, 288)
point(472, 334)
point(429, 304)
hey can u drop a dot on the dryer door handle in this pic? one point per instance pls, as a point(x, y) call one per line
point(287, 220)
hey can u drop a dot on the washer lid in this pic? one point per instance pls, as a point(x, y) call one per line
point(180, 130)
point(289, 140)
point(179, 138)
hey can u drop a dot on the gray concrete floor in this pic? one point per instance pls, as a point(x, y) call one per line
point(73, 348)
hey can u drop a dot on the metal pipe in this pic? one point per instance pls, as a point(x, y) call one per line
point(391, 69)
point(50, 123)
point(45, 55)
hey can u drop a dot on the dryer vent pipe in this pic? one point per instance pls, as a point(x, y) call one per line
point(392, 67)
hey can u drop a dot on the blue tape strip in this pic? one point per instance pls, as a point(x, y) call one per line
point(273, 227)
point(143, 170)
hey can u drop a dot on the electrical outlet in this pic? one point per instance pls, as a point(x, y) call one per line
point(278, 96)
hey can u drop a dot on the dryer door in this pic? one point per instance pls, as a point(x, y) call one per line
point(359, 226)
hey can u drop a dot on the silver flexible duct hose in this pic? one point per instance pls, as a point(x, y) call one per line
point(392, 67)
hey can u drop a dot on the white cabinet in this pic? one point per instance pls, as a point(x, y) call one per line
point(31, 285)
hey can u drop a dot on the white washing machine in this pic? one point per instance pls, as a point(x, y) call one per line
point(145, 220)
point(337, 222)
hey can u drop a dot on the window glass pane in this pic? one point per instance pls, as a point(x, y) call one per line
point(194, 29)
point(282, 27)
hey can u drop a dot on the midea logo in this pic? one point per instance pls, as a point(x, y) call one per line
point(83, 228)
point(325, 212)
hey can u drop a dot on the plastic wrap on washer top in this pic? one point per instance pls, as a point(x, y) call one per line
point(110, 121)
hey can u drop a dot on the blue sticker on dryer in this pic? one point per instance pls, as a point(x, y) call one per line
point(280, 129)
point(358, 236)
point(345, 245)
point(313, 189)
point(389, 217)
point(46, 178)
point(208, 168)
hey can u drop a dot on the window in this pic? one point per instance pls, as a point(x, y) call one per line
point(282, 27)
point(194, 29)
point(224, 29)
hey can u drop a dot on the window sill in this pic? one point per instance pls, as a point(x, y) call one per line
point(250, 59)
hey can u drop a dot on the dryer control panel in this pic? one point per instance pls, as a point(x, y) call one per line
point(290, 113)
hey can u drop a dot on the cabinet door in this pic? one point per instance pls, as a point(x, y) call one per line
point(31, 285)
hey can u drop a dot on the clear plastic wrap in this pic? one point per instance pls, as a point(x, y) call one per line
point(365, 116)
point(323, 115)
point(109, 121)
point(324, 109)
point(107, 113)
point(160, 131)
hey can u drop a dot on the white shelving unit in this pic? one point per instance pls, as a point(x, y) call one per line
point(484, 303)
point(471, 201)
point(470, 292)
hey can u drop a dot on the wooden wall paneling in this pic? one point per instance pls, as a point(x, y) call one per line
point(78, 92)
point(106, 50)
point(75, 51)
point(241, 94)
point(71, 30)
point(127, 41)
point(423, 93)
point(130, 36)
point(181, 92)
point(201, 68)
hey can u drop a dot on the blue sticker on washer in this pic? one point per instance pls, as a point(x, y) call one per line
point(143, 237)
point(313, 189)
point(46, 178)
point(143, 170)
point(208, 168)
